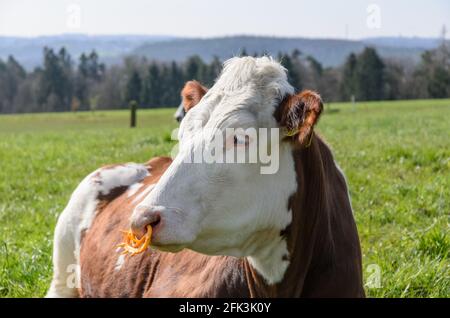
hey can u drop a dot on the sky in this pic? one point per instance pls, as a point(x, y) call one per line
point(349, 19)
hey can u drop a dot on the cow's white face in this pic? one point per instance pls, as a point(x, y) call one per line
point(228, 208)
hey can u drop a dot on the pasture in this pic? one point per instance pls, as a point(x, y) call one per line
point(396, 156)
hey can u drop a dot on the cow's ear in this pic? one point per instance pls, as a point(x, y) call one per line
point(192, 93)
point(298, 114)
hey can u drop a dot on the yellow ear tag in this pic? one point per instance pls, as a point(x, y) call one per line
point(310, 140)
point(292, 132)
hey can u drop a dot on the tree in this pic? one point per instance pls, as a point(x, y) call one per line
point(297, 70)
point(175, 82)
point(439, 84)
point(315, 65)
point(12, 74)
point(434, 70)
point(394, 77)
point(90, 74)
point(329, 84)
point(66, 85)
point(56, 81)
point(292, 65)
point(314, 74)
point(194, 69)
point(110, 90)
point(348, 86)
point(213, 71)
point(152, 87)
point(133, 88)
point(369, 76)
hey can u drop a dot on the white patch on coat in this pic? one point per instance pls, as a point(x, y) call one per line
point(77, 217)
point(346, 183)
point(120, 262)
point(133, 189)
point(269, 260)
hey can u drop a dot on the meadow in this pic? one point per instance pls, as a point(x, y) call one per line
point(396, 156)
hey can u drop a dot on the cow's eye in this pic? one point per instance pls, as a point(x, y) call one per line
point(241, 140)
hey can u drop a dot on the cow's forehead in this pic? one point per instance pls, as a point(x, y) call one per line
point(263, 72)
point(247, 86)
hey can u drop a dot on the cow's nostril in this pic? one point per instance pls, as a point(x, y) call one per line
point(156, 222)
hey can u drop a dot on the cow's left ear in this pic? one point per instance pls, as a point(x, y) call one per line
point(298, 114)
point(192, 93)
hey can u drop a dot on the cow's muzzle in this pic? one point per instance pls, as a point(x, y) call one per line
point(180, 113)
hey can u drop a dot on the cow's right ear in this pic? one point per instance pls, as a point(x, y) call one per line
point(298, 114)
point(192, 93)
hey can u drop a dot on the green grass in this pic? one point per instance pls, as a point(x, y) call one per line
point(396, 156)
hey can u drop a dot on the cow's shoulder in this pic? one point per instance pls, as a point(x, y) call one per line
point(124, 182)
point(110, 181)
point(104, 184)
point(107, 181)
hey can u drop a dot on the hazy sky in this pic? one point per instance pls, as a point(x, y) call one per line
point(204, 18)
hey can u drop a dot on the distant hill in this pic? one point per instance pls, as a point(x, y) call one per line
point(330, 52)
point(112, 48)
point(402, 42)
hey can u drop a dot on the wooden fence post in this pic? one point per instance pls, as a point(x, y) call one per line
point(133, 108)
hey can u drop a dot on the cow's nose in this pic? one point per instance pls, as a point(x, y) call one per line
point(143, 216)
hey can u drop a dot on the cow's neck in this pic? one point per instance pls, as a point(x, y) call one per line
point(272, 258)
point(287, 258)
point(310, 236)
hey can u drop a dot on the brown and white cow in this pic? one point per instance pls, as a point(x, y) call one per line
point(220, 230)
point(191, 94)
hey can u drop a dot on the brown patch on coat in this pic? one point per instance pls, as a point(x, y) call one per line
point(105, 199)
point(323, 243)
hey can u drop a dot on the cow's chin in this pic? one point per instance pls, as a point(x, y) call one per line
point(172, 248)
point(172, 239)
point(202, 248)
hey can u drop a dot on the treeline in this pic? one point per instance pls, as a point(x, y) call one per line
point(62, 84)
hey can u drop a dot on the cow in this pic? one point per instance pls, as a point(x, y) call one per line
point(191, 92)
point(219, 229)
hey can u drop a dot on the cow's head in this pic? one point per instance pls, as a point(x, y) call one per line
point(232, 208)
point(191, 94)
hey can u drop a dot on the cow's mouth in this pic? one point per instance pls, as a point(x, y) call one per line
point(155, 227)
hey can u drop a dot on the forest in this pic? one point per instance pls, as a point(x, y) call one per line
point(64, 83)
